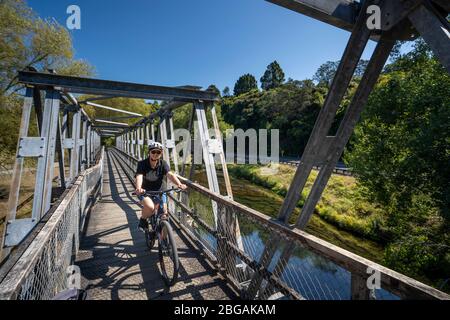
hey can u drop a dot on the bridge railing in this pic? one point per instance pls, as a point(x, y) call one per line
point(45, 267)
point(304, 266)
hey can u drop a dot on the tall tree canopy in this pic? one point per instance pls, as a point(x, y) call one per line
point(226, 92)
point(292, 108)
point(245, 83)
point(214, 89)
point(325, 73)
point(28, 41)
point(273, 76)
point(400, 152)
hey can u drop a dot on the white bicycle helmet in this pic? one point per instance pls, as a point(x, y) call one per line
point(154, 145)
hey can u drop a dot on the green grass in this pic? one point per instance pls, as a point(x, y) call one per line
point(342, 204)
point(269, 202)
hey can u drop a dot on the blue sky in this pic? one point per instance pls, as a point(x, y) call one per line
point(197, 42)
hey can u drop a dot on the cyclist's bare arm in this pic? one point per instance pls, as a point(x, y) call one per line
point(139, 179)
point(173, 177)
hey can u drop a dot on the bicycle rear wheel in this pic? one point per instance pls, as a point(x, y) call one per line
point(168, 254)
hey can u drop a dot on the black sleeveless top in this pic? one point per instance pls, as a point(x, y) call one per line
point(153, 178)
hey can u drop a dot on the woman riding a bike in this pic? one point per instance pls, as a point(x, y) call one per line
point(150, 173)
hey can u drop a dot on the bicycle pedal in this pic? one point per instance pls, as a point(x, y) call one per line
point(141, 229)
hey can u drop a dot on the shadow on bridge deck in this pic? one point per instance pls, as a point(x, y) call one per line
point(116, 263)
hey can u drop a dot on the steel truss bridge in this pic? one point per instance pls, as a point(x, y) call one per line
point(227, 250)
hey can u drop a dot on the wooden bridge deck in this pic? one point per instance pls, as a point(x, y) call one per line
point(115, 262)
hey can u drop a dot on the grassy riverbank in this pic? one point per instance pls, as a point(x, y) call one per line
point(343, 203)
point(269, 203)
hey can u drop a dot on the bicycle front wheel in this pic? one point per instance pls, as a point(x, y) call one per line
point(168, 254)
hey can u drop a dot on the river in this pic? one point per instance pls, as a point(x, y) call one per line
point(313, 276)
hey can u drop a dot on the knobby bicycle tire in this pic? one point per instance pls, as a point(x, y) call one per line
point(168, 254)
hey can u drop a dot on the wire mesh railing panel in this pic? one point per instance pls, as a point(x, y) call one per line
point(43, 270)
point(312, 276)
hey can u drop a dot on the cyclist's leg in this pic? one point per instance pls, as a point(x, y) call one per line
point(148, 207)
point(164, 215)
point(163, 205)
point(156, 200)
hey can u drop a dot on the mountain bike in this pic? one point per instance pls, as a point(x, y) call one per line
point(160, 229)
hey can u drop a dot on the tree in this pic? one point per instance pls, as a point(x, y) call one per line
point(325, 73)
point(292, 108)
point(245, 83)
point(273, 76)
point(226, 92)
point(28, 41)
point(214, 89)
point(400, 153)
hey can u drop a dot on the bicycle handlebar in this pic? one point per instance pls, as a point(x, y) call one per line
point(147, 192)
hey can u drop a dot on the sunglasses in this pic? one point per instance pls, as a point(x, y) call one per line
point(155, 152)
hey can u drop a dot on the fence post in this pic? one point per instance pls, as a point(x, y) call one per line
point(359, 289)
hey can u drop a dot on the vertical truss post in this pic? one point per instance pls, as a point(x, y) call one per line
point(88, 144)
point(189, 143)
point(83, 143)
point(66, 142)
point(232, 218)
point(132, 141)
point(208, 158)
point(60, 152)
point(13, 199)
point(172, 144)
point(45, 166)
point(163, 135)
point(147, 136)
point(139, 142)
point(75, 152)
point(135, 142)
point(158, 132)
point(38, 107)
point(128, 142)
point(221, 153)
point(152, 131)
point(142, 143)
point(225, 228)
point(93, 135)
point(184, 197)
